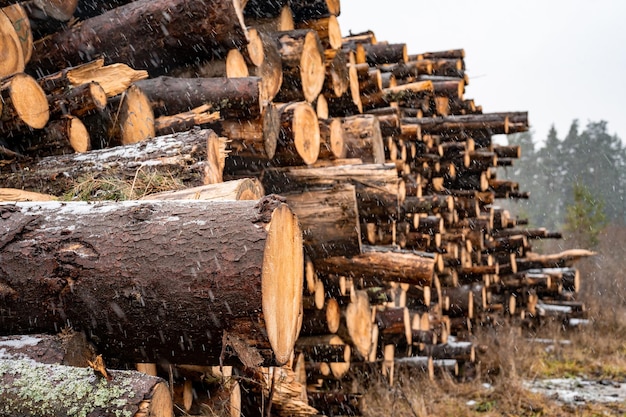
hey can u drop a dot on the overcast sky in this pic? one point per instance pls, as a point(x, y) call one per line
point(559, 60)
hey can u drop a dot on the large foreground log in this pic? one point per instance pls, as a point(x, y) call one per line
point(147, 34)
point(192, 157)
point(125, 275)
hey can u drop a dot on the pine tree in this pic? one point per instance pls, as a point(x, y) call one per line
point(585, 218)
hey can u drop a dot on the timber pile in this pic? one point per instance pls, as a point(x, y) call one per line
point(358, 229)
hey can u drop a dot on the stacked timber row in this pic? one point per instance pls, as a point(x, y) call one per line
point(359, 227)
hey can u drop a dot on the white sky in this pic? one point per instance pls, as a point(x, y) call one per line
point(559, 60)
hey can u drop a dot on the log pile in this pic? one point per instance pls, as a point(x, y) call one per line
point(358, 229)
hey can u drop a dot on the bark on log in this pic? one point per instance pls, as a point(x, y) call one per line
point(381, 53)
point(146, 34)
point(255, 139)
point(71, 391)
point(304, 71)
point(17, 14)
point(66, 135)
point(10, 48)
point(363, 139)
point(234, 98)
point(200, 116)
point(329, 220)
point(24, 104)
point(127, 119)
point(282, 21)
point(316, 9)
point(378, 264)
point(78, 101)
point(186, 156)
point(327, 29)
point(299, 138)
point(332, 143)
point(139, 321)
point(379, 191)
point(93, 8)
point(49, 16)
point(66, 348)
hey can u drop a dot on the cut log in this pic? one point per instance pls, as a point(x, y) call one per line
point(363, 139)
point(66, 135)
point(303, 65)
point(309, 10)
point(327, 29)
point(24, 104)
point(243, 189)
point(146, 34)
point(70, 391)
point(270, 70)
point(299, 138)
point(321, 322)
point(49, 16)
point(185, 156)
point(260, 241)
point(332, 143)
point(10, 48)
point(17, 14)
point(203, 115)
point(14, 195)
point(556, 260)
point(127, 119)
point(254, 139)
point(78, 101)
point(270, 22)
point(382, 53)
point(379, 264)
point(337, 81)
point(236, 98)
point(329, 220)
point(379, 191)
point(114, 79)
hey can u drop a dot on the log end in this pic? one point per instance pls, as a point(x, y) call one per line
point(282, 281)
point(306, 133)
point(11, 54)
point(312, 68)
point(78, 135)
point(359, 323)
point(29, 101)
point(136, 122)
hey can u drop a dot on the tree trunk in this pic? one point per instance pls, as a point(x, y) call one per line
point(78, 101)
point(24, 104)
point(378, 264)
point(303, 65)
point(329, 220)
point(10, 48)
point(299, 139)
point(181, 122)
point(363, 139)
point(127, 119)
point(186, 156)
point(234, 98)
point(147, 34)
point(71, 391)
point(244, 283)
point(379, 191)
point(66, 135)
point(316, 9)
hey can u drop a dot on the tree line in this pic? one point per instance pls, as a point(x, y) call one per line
point(577, 183)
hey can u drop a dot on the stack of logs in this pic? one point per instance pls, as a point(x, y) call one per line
point(358, 227)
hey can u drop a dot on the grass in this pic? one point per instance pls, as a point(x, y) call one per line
point(91, 188)
point(505, 361)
